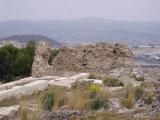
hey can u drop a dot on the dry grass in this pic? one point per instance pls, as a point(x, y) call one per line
point(149, 97)
point(9, 102)
point(78, 99)
point(29, 113)
point(31, 107)
point(129, 99)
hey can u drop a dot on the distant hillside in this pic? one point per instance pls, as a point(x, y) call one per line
point(30, 37)
point(87, 30)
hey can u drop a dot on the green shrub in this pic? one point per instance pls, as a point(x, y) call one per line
point(16, 62)
point(139, 91)
point(10, 78)
point(48, 101)
point(129, 99)
point(97, 104)
point(113, 82)
point(92, 76)
point(53, 54)
point(8, 55)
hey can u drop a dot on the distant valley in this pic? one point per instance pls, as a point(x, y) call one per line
point(87, 30)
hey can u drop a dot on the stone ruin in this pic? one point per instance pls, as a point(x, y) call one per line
point(91, 58)
point(40, 63)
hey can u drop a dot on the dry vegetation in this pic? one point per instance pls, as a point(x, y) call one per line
point(83, 96)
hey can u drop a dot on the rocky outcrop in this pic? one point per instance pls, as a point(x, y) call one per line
point(97, 58)
point(40, 64)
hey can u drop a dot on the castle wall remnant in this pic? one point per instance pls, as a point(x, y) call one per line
point(40, 64)
point(97, 58)
point(91, 58)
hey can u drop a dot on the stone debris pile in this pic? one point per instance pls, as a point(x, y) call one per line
point(156, 102)
point(61, 115)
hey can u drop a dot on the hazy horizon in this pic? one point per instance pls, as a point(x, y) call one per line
point(124, 10)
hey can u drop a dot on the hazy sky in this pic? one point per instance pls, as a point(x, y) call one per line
point(130, 10)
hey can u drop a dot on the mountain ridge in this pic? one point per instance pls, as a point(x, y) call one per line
point(87, 30)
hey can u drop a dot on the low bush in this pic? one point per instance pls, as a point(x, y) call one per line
point(97, 104)
point(129, 99)
point(81, 85)
point(93, 90)
point(98, 97)
point(113, 82)
point(92, 76)
point(139, 91)
point(48, 101)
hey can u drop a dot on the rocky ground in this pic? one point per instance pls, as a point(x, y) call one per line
point(32, 85)
point(121, 91)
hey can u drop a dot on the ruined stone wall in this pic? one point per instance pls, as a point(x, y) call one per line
point(40, 64)
point(97, 58)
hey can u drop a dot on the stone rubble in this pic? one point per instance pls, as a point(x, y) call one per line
point(156, 102)
point(60, 115)
point(9, 113)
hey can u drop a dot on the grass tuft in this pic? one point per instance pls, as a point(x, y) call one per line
point(113, 82)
